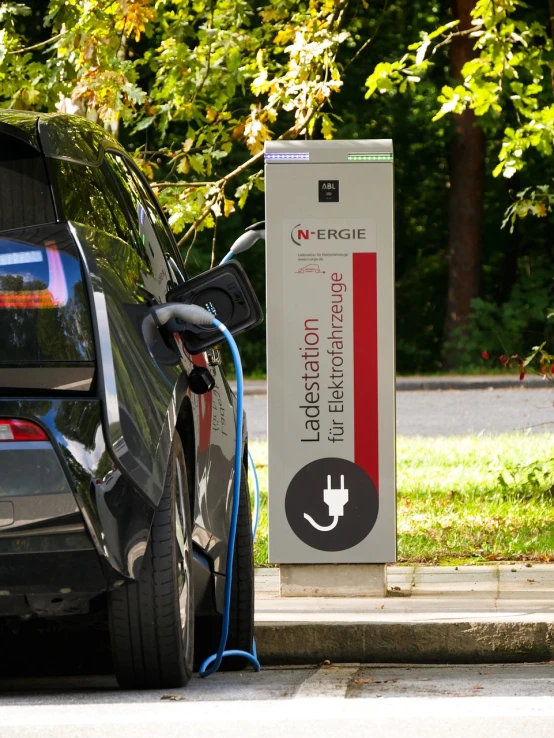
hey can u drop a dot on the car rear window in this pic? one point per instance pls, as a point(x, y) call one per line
point(44, 312)
point(25, 198)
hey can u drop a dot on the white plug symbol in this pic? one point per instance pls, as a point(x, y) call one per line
point(335, 499)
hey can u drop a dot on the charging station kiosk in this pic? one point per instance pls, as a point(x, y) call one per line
point(330, 352)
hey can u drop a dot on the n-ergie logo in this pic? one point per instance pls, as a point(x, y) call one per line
point(300, 233)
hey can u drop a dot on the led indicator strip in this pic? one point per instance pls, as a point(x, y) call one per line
point(370, 157)
point(301, 156)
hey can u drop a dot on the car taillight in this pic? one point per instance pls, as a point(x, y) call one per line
point(21, 430)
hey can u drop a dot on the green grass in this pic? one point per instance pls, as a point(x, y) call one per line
point(464, 499)
point(259, 454)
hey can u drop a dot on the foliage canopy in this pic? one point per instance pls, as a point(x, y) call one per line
point(200, 79)
point(193, 88)
point(509, 81)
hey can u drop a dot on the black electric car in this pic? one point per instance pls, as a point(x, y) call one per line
point(115, 476)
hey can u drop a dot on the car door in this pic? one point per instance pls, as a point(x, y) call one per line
point(214, 411)
point(127, 278)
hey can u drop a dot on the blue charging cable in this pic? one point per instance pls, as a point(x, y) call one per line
point(212, 663)
point(242, 244)
point(159, 316)
point(245, 241)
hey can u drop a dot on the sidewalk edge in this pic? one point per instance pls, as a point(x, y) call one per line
point(438, 642)
point(430, 384)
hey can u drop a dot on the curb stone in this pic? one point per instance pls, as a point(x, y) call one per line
point(477, 382)
point(414, 384)
point(438, 642)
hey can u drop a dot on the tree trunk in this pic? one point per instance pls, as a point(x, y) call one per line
point(467, 182)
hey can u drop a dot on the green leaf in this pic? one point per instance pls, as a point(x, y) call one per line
point(144, 123)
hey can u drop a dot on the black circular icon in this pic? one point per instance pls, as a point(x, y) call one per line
point(331, 504)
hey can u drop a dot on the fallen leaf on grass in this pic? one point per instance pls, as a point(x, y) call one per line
point(174, 697)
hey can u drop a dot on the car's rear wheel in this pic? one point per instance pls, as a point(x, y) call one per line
point(241, 615)
point(152, 620)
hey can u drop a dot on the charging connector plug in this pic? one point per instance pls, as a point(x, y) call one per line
point(335, 499)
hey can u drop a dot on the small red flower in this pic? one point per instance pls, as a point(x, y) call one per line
point(503, 359)
point(485, 354)
point(551, 368)
point(522, 376)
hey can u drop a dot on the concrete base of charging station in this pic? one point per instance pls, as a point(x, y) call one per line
point(446, 614)
point(333, 580)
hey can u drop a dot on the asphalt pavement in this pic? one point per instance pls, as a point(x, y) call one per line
point(450, 412)
point(381, 701)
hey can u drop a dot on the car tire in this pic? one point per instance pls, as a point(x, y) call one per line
point(241, 616)
point(152, 620)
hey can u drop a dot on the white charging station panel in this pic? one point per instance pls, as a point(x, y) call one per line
point(330, 351)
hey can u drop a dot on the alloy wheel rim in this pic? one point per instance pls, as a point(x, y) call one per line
point(184, 558)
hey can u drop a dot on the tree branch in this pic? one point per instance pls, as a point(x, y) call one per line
point(220, 183)
point(293, 132)
point(209, 61)
point(194, 227)
point(451, 36)
point(190, 248)
point(213, 244)
point(181, 184)
point(338, 13)
point(40, 45)
point(371, 38)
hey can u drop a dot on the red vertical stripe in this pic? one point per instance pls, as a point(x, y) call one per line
point(366, 417)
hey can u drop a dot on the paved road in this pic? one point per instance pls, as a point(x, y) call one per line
point(378, 701)
point(451, 412)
